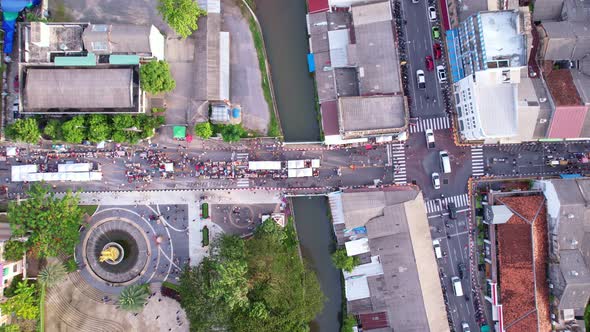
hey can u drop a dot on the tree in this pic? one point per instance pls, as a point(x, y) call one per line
point(51, 223)
point(204, 130)
point(342, 261)
point(99, 128)
point(74, 130)
point(155, 77)
point(134, 297)
point(24, 130)
point(25, 302)
point(52, 274)
point(348, 323)
point(181, 15)
point(232, 133)
point(14, 250)
point(10, 328)
point(53, 129)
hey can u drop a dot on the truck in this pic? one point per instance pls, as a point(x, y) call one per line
point(429, 138)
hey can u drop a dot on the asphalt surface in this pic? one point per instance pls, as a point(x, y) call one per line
point(425, 103)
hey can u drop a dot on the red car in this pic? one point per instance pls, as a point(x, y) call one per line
point(437, 50)
point(429, 63)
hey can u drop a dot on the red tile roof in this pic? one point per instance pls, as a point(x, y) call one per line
point(517, 265)
point(330, 117)
point(374, 320)
point(316, 6)
point(567, 121)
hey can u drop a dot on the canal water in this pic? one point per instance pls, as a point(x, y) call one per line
point(316, 240)
point(285, 35)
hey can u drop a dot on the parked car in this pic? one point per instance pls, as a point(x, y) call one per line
point(436, 32)
point(437, 50)
point(452, 210)
point(429, 133)
point(429, 63)
point(421, 79)
point(432, 14)
point(441, 73)
point(436, 180)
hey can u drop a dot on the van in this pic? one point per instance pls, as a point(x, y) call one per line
point(445, 162)
point(457, 288)
point(437, 251)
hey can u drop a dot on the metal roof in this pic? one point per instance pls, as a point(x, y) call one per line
point(338, 43)
point(567, 121)
point(371, 13)
point(123, 59)
point(88, 60)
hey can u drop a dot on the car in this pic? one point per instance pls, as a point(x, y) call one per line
point(432, 14)
point(462, 270)
point(429, 133)
point(437, 250)
point(465, 327)
point(452, 210)
point(436, 32)
point(429, 63)
point(421, 79)
point(436, 180)
point(441, 73)
point(437, 50)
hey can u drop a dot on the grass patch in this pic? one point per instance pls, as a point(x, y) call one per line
point(172, 286)
point(274, 129)
point(89, 209)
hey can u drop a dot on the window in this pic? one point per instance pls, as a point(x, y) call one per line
point(6, 271)
point(15, 268)
point(99, 27)
point(459, 111)
point(99, 46)
point(461, 125)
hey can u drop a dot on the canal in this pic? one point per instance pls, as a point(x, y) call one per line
point(315, 236)
point(285, 35)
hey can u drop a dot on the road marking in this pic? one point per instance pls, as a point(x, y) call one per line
point(477, 165)
point(399, 163)
point(439, 123)
point(243, 183)
point(461, 202)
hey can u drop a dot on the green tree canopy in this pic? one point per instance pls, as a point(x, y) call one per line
point(204, 130)
point(342, 261)
point(14, 250)
point(155, 76)
point(232, 133)
point(51, 223)
point(181, 15)
point(133, 298)
point(348, 323)
point(25, 302)
point(99, 128)
point(24, 130)
point(52, 274)
point(255, 285)
point(53, 130)
point(74, 130)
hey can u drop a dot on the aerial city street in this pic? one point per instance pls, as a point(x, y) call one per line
point(289, 165)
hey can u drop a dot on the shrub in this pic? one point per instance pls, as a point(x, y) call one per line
point(205, 231)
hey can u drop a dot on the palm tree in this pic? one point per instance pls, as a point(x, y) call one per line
point(134, 297)
point(52, 274)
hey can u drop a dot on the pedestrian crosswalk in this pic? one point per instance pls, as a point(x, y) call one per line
point(242, 183)
point(437, 205)
point(242, 157)
point(477, 160)
point(398, 160)
point(434, 124)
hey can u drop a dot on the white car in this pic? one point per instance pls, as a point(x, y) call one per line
point(415, 1)
point(465, 327)
point(437, 250)
point(429, 133)
point(421, 79)
point(436, 180)
point(441, 73)
point(432, 14)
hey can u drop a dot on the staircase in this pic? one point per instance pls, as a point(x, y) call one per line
point(85, 288)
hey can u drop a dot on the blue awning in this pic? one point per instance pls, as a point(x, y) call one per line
point(570, 176)
point(310, 62)
point(457, 72)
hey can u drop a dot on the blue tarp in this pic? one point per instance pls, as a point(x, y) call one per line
point(570, 176)
point(9, 9)
point(310, 62)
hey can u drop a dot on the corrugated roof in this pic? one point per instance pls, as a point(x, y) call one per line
point(88, 60)
point(79, 88)
point(338, 43)
point(329, 111)
point(371, 13)
point(372, 113)
point(374, 320)
point(567, 121)
point(123, 59)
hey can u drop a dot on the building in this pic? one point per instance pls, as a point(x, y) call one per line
point(564, 31)
point(516, 253)
point(225, 113)
point(568, 209)
point(218, 54)
point(356, 67)
point(8, 269)
point(76, 68)
point(496, 99)
point(396, 287)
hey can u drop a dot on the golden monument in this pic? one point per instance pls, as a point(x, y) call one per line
point(111, 253)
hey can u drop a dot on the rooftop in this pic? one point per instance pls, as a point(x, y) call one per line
point(562, 88)
point(329, 111)
point(378, 113)
point(89, 88)
point(324, 76)
point(371, 13)
point(47, 38)
point(314, 6)
point(567, 121)
point(503, 38)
